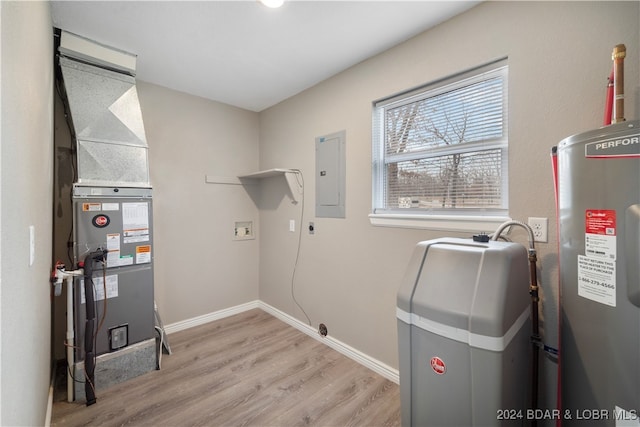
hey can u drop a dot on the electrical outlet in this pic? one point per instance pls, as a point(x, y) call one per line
point(540, 228)
point(322, 329)
point(243, 230)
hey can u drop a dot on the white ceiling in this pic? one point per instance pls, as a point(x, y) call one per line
point(242, 53)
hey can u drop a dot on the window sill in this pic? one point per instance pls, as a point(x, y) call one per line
point(475, 224)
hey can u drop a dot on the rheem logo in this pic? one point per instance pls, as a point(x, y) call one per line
point(438, 365)
point(100, 221)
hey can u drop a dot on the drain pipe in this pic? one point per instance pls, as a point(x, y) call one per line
point(533, 291)
point(61, 275)
point(58, 276)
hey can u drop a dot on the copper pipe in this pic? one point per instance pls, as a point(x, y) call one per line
point(618, 55)
point(535, 330)
point(536, 341)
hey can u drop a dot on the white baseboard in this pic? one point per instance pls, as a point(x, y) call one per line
point(210, 317)
point(365, 360)
point(375, 365)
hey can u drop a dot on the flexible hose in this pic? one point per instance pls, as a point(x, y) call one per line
point(504, 225)
point(533, 292)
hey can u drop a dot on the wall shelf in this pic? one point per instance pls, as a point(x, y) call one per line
point(266, 173)
point(269, 173)
point(245, 179)
point(213, 179)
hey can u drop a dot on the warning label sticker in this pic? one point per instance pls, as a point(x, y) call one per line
point(111, 206)
point(99, 286)
point(89, 207)
point(600, 233)
point(135, 222)
point(143, 254)
point(597, 280)
point(115, 257)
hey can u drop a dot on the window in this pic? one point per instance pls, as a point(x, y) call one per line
point(440, 153)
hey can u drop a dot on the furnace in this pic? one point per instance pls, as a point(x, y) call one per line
point(105, 170)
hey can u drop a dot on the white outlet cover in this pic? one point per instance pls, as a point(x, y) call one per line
point(243, 230)
point(540, 228)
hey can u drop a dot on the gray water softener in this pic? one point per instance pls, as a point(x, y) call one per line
point(463, 314)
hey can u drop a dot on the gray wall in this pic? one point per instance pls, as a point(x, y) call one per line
point(348, 272)
point(199, 268)
point(559, 56)
point(26, 200)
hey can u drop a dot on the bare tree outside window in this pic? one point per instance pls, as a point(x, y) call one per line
point(446, 149)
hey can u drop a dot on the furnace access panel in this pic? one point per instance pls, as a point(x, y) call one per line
point(123, 289)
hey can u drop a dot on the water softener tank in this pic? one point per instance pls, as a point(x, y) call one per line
point(463, 334)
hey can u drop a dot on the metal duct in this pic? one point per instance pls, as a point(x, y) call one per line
point(107, 122)
point(89, 51)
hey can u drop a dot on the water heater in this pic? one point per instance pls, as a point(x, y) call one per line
point(599, 253)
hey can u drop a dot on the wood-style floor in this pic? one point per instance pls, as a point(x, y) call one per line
point(250, 369)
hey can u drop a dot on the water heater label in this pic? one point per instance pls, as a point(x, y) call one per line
point(628, 146)
point(600, 233)
point(597, 280)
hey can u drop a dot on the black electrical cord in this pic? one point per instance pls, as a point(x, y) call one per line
point(90, 330)
point(96, 331)
point(295, 265)
point(72, 151)
point(69, 366)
